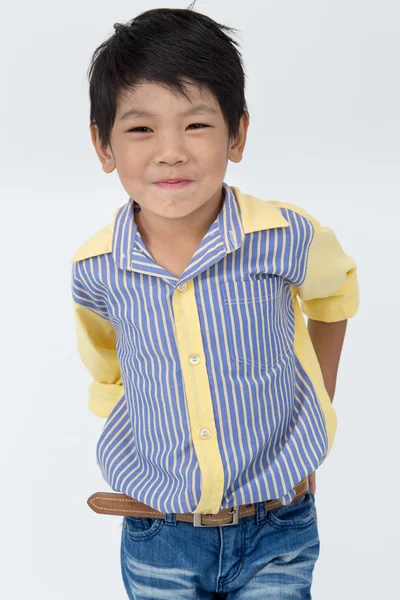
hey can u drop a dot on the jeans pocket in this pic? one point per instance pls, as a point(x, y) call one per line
point(142, 528)
point(297, 514)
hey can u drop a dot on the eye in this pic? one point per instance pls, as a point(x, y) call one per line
point(136, 129)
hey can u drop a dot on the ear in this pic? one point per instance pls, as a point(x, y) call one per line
point(236, 148)
point(103, 152)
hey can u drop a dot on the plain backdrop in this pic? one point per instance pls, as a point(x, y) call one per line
point(323, 95)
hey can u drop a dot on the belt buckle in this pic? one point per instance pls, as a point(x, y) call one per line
point(234, 511)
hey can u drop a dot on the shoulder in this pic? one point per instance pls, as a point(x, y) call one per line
point(258, 212)
point(294, 208)
point(98, 243)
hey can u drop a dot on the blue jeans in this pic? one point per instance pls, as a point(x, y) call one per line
point(269, 556)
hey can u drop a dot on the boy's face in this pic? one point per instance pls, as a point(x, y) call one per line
point(169, 144)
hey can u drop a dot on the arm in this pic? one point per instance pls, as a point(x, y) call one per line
point(96, 343)
point(329, 296)
point(327, 339)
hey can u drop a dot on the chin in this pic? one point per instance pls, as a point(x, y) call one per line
point(175, 210)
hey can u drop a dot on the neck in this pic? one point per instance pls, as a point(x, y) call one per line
point(179, 231)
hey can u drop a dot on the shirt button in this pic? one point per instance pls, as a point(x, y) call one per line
point(205, 434)
point(183, 287)
point(194, 359)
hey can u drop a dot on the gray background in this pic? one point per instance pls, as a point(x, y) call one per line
point(323, 95)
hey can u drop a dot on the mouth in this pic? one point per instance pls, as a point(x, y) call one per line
point(174, 185)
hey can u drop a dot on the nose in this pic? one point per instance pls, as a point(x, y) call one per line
point(171, 150)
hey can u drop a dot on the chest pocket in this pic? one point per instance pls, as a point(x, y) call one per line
point(258, 324)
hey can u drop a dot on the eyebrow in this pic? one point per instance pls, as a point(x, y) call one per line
point(198, 108)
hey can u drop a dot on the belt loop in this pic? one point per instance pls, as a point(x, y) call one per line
point(170, 519)
point(261, 513)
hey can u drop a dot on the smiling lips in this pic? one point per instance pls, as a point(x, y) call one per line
point(173, 184)
point(172, 180)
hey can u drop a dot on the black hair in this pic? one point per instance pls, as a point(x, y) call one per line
point(170, 47)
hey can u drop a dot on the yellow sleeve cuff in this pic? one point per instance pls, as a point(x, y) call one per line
point(330, 291)
point(103, 397)
point(342, 305)
point(97, 349)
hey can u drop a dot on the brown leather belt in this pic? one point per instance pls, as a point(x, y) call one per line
point(120, 504)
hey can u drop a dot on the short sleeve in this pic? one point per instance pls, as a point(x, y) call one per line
point(96, 343)
point(330, 290)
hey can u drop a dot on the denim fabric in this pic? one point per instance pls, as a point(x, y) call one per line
point(269, 556)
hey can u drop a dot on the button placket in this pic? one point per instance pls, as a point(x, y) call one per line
point(198, 395)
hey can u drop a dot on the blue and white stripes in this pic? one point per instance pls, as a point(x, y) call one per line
point(250, 390)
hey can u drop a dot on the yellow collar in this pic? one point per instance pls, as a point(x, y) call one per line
point(256, 215)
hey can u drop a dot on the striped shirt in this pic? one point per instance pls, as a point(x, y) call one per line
point(210, 385)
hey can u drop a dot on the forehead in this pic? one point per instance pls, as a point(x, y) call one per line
point(157, 99)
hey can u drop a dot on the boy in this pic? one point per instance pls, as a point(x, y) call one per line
point(188, 309)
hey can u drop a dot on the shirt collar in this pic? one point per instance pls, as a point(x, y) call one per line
point(240, 214)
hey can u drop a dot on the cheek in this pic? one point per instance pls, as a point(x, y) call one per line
point(128, 148)
point(130, 162)
point(215, 155)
